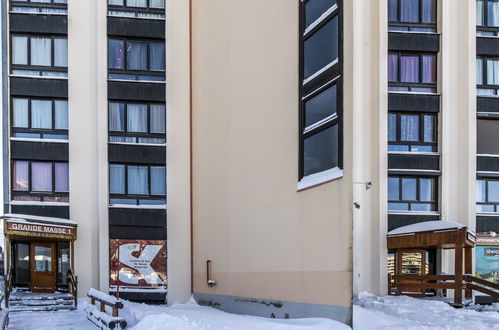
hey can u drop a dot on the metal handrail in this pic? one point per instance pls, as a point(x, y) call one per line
point(72, 281)
point(8, 285)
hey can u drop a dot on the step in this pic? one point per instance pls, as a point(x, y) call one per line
point(40, 302)
point(40, 308)
point(16, 296)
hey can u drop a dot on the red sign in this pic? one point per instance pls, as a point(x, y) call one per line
point(142, 263)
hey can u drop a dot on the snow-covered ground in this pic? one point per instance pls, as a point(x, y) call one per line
point(371, 312)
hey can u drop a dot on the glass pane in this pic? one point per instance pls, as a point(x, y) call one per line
point(321, 48)
point(409, 189)
point(20, 112)
point(480, 191)
point(320, 106)
point(392, 127)
point(158, 118)
point(393, 189)
point(397, 147)
point(393, 69)
point(41, 50)
point(41, 176)
point(429, 11)
point(20, 175)
point(136, 3)
point(392, 10)
point(43, 259)
point(409, 11)
point(493, 13)
point(41, 114)
point(485, 208)
point(479, 13)
point(428, 128)
point(315, 8)
point(22, 263)
point(63, 261)
point(61, 52)
point(426, 190)
point(61, 177)
point(117, 179)
point(409, 69)
point(116, 56)
point(320, 151)
point(493, 72)
point(429, 69)
point(19, 50)
point(479, 71)
point(157, 56)
point(116, 2)
point(61, 114)
point(137, 118)
point(398, 207)
point(409, 127)
point(157, 3)
point(158, 180)
point(411, 263)
point(421, 207)
point(137, 55)
point(493, 191)
point(60, 1)
point(116, 117)
point(138, 180)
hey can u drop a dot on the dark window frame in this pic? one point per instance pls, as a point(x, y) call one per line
point(29, 129)
point(138, 10)
point(487, 202)
point(485, 80)
point(421, 142)
point(136, 197)
point(40, 196)
point(39, 6)
point(419, 84)
point(412, 25)
point(485, 27)
point(317, 83)
point(433, 202)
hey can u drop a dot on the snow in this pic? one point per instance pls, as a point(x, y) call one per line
point(34, 218)
point(318, 178)
point(426, 226)
point(371, 312)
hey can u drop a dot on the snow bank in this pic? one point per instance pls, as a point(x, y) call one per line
point(435, 225)
point(399, 312)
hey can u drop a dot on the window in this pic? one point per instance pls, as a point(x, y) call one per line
point(412, 132)
point(487, 17)
point(320, 87)
point(39, 56)
point(487, 76)
point(412, 72)
point(154, 9)
point(487, 195)
point(39, 6)
point(412, 15)
point(411, 193)
point(137, 184)
point(40, 181)
point(136, 60)
point(39, 118)
point(137, 123)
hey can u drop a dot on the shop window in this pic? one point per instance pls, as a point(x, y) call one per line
point(142, 60)
point(412, 193)
point(409, 72)
point(153, 9)
point(39, 55)
point(414, 132)
point(39, 118)
point(137, 122)
point(320, 88)
point(487, 18)
point(39, 6)
point(412, 15)
point(137, 184)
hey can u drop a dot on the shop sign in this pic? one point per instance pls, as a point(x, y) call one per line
point(487, 262)
point(138, 263)
point(38, 228)
point(487, 240)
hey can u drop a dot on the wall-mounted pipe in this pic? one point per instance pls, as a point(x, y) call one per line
point(209, 281)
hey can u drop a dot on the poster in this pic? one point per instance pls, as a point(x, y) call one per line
point(142, 263)
point(487, 259)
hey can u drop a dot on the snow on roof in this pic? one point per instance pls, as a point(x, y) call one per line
point(426, 226)
point(35, 218)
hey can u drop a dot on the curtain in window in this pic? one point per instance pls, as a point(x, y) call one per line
point(393, 67)
point(61, 52)
point(157, 3)
point(428, 128)
point(61, 177)
point(20, 175)
point(117, 179)
point(116, 56)
point(137, 3)
point(392, 127)
point(479, 71)
point(41, 51)
point(429, 69)
point(157, 56)
point(409, 127)
point(61, 114)
point(479, 13)
point(137, 118)
point(41, 114)
point(409, 69)
point(20, 109)
point(493, 13)
point(158, 180)
point(137, 56)
point(428, 12)
point(137, 180)
point(19, 50)
point(493, 72)
point(158, 120)
point(116, 117)
point(41, 176)
point(409, 11)
point(392, 10)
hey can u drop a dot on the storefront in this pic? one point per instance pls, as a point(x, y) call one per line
point(39, 251)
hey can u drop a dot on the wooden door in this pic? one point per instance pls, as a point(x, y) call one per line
point(411, 262)
point(43, 266)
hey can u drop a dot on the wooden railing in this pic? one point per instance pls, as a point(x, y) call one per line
point(72, 281)
point(99, 317)
point(8, 285)
point(481, 285)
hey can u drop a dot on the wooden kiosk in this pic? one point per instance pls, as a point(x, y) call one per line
point(417, 239)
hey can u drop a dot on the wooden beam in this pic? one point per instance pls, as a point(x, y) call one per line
point(458, 267)
point(468, 269)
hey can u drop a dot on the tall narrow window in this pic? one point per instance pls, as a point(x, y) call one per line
point(414, 132)
point(412, 193)
point(487, 76)
point(320, 89)
point(487, 17)
point(487, 195)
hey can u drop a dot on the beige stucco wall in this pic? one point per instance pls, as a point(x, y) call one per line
point(265, 239)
